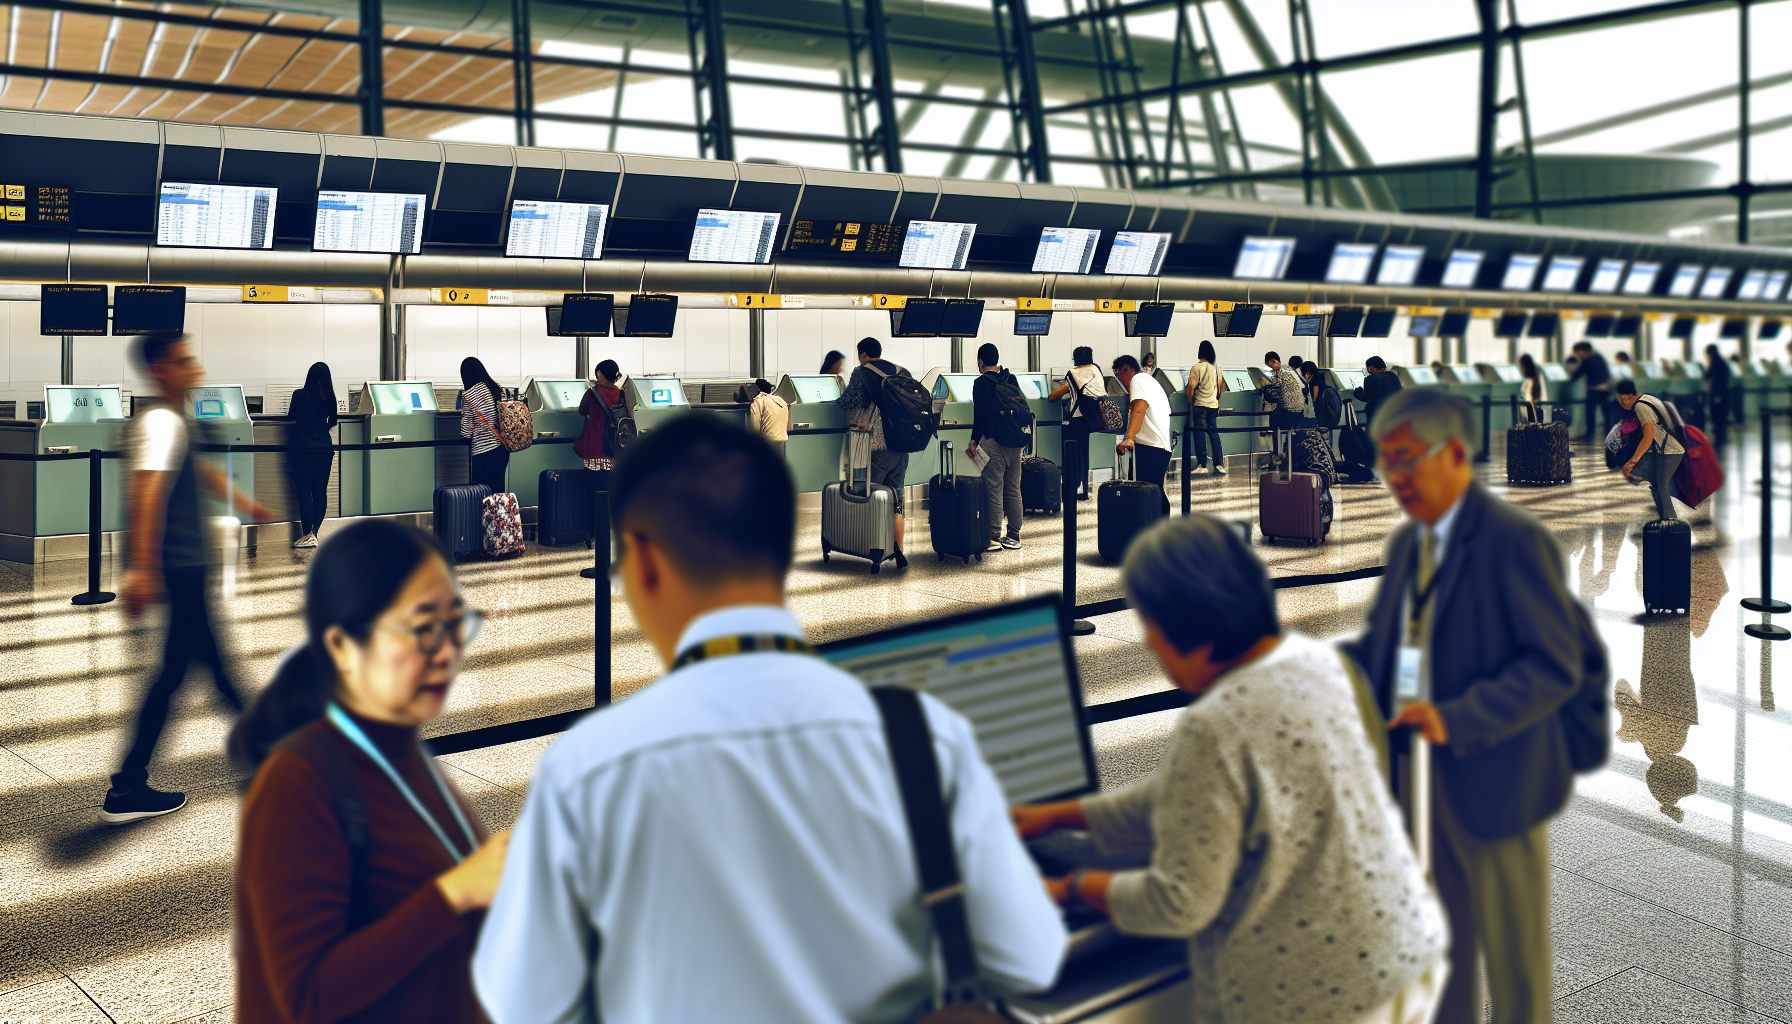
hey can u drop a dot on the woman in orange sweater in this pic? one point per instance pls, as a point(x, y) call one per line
point(362, 875)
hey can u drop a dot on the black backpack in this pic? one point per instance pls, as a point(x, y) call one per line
point(1328, 408)
point(907, 410)
point(619, 428)
point(1014, 417)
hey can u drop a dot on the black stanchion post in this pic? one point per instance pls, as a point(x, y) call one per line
point(1766, 602)
point(600, 648)
point(1486, 452)
point(94, 594)
point(1188, 462)
point(1078, 627)
point(1514, 400)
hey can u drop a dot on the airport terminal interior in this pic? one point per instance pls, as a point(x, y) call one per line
point(1503, 200)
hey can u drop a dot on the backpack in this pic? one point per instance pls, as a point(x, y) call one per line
point(619, 428)
point(1014, 417)
point(1328, 408)
point(1668, 416)
point(907, 410)
point(516, 425)
point(1105, 414)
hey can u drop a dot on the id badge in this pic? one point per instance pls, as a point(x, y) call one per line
point(1406, 675)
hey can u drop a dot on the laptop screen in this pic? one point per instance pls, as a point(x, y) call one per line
point(1009, 670)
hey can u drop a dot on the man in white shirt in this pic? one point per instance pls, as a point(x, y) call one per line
point(729, 844)
point(1148, 423)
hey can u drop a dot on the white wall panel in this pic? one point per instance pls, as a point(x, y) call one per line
point(437, 338)
point(500, 343)
point(294, 336)
point(351, 345)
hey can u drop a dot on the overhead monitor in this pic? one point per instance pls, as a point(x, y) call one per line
point(936, 245)
point(1264, 259)
point(1151, 321)
point(1032, 324)
point(1463, 269)
point(551, 230)
point(1770, 330)
point(1346, 321)
point(734, 236)
point(1734, 327)
point(1400, 265)
point(1066, 250)
point(961, 318)
point(1379, 322)
point(1717, 281)
point(1753, 284)
point(389, 222)
point(74, 309)
point(1521, 272)
point(1606, 277)
point(647, 316)
point(1138, 253)
point(1686, 278)
point(1241, 322)
point(1422, 326)
point(149, 309)
point(583, 314)
point(1511, 323)
point(1563, 273)
point(1776, 286)
point(215, 216)
point(1350, 263)
point(1599, 325)
point(1641, 279)
point(1454, 324)
point(1682, 327)
point(1627, 325)
point(1543, 324)
point(1308, 325)
point(919, 318)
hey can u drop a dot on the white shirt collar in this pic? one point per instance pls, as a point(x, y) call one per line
point(1440, 530)
point(739, 620)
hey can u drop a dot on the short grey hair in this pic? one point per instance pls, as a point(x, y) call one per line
point(1200, 583)
point(1434, 414)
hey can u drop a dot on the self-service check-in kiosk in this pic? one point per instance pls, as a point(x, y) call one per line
point(1173, 382)
point(1415, 375)
point(952, 404)
point(1772, 375)
point(1686, 379)
point(376, 483)
point(1241, 394)
point(1560, 385)
point(554, 406)
point(44, 511)
point(1048, 415)
point(1347, 381)
point(220, 415)
point(817, 429)
point(1504, 383)
point(655, 399)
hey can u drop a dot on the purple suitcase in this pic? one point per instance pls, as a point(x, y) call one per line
point(1290, 505)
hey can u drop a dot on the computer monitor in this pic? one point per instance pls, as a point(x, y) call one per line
point(1563, 273)
point(1521, 272)
point(647, 316)
point(1308, 325)
point(1264, 259)
point(1009, 670)
point(919, 318)
point(1734, 327)
point(1641, 279)
point(1241, 322)
point(1776, 286)
point(1717, 281)
point(1032, 324)
point(961, 318)
point(1137, 253)
point(549, 230)
point(212, 216)
point(582, 314)
point(149, 309)
point(1422, 326)
point(1682, 327)
point(1151, 321)
point(1400, 265)
point(1606, 277)
point(734, 236)
point(1543, 324)
point(388, 222)
point(1066, 250)
point(1463, 269)
point(1770, 330)
point(1350, 263)
point(1628, 325)
point(1753, 284)
point(1511, 323)
point(1454, 323)
point(1599, 325)
point(73, 309)
point(1346, 321)
point(936, 245)
point(1686, 278)
point(1379, 322)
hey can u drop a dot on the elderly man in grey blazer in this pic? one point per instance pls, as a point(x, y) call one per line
point(1475, 642)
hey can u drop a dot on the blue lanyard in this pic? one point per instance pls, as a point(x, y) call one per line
point(347, 727)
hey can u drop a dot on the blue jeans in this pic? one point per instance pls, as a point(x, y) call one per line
point(1203, 423)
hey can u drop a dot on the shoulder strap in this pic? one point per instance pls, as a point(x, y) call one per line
point(872, 366)
point(930, 833)
point(351, 814)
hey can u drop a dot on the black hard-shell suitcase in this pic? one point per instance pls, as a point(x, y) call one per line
point(1291, 506)
point(1124, 508)
point(1041, 485)
point(564, 515)
point(957, 512)
point(1537, 453)
point(460, 519)
point(1667, 567)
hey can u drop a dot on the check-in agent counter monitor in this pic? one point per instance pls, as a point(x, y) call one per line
point(817, 429)
point(220, 415)
point(46, 499)
point(1009, 670)
point(375, 483)
point(554, 405)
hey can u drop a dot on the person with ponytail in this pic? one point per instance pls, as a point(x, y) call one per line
point(362, 875)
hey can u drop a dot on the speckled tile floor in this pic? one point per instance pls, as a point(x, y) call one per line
point(1673, 888)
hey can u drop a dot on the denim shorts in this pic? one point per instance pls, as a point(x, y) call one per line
point(890, 469)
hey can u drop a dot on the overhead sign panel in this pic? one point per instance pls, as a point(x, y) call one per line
point(1717, 279)
point(1606, 277)
point(1641, 279)
point(215, 216)
point(1563, 274)
point(1350, 263)
point(1686, 278)
point(1521, 272)
point(1463, 269)
point(1263, 258)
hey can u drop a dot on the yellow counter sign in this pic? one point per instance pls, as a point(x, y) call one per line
point(265, 293)
point(1033, 302)
point(1116, 305)
point(461, 296)
point(758, 300)
point(889, 301)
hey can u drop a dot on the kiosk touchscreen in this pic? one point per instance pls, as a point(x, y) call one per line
point(655, 399)
point(221, 416)
point(1410, 375)
point(401, 480)
point(817, 429)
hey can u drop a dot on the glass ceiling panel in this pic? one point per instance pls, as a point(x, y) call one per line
point(1340, 26)
point(1435, 118)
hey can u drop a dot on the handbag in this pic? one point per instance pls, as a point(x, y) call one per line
point(1104, 412)
point(965, 1000)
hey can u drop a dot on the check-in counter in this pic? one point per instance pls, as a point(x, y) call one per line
point(952, 405)
point(817, 429)
point(1239, 392)
point(1347, 381)
point(1504, 383)
point(1110, 978)
point(554, 406)
point(1686, 378)
point(1173, 382)
point(1048, 415)
point(655, 399)
point(1652, 378)
point(1756, 381)
point(1774, 377)
point(220, 415)
point(377, 483)
point(1415, 376)
point(1558, 382)
point(43, 505)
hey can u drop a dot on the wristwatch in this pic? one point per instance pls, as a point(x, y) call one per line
point(1073, 894)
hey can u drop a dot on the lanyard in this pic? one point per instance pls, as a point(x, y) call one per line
point(347, 727)
point(723, 646)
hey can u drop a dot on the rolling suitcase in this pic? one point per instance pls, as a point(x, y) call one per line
point(1124, 508)
point(1667, 567)
point(957, 512)
point(1290, 506)
point(858, 517)
point(459, 519)
point(503, 525)
point(1041, 486)
point(1537, 454)
point(564, 516)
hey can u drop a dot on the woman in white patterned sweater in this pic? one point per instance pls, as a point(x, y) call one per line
point(1267, 836)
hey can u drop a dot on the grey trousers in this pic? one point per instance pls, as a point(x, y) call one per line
point(1001, 486)
point(1496, 894)
point(1659, 470)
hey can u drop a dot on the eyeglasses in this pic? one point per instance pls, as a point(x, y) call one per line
point(1401, 467)
point(462, 629)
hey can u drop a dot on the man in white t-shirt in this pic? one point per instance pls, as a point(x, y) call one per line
point(1148, 423)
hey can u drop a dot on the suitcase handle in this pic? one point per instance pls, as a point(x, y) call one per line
point(948, 469)
point(853, 437)
point(1129, 461)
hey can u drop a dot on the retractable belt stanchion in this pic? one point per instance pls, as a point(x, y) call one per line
point(94, 594)
point(1078, 627)
point(1188, 464)
point(1486, 452)
point(600, 647)
point(1766, 602)
point(1514, 400)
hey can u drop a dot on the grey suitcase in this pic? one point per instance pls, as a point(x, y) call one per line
point(858, 517)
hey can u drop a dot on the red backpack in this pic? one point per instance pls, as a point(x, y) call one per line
point(1700, 474)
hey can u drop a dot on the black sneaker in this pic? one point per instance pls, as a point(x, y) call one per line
point(901, 559)
point(141, 802)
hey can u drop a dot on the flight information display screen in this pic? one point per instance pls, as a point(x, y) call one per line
point(149, 309)
point(1454, 324)
point(1138, 253)
point(390, 222)
point(1007, 670)
point(1066, 250)
point(1686, 278)
point(919, 318)
point(1753, 283)
point(1423, 326)
point(647, 316)
point(1511, 324)
point(553, 230)
point(215, 216)
point(1717, 279)
point(1463, 269)
point(1521, 272)
point(1263, 258)
point(583, 314)
point(936, 245)
point(1776, 286)
point(1641, 279)
point(1400, 265)
point(1032, 324)
point(1379, 322)
point(1307, 325)
point(1346, 321)
point(734, 236)
point(1606, 277)
point(1543, 324)
point(1350, 263)
point(1151, 321)
point(961, 318)
point(1563, 274)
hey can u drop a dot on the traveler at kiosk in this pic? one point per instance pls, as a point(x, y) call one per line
point(1719, 387)
point(1084, 379)
point(1378, 383)
point(859, 401)
point(479, 398)
point(833, 364)
point(1592, 366)
point(769, 415)
point(605, 408)
point(360, 870)
point(729, 844)
point(1282, 394)
point(1531, 388)
point(1203, 393)
point(1148, 424)
point(997, 432)
point(312, 415)
point(1267, 836)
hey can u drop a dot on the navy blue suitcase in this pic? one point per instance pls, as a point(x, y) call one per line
point(957, 512)
point(564, 513)
point(1041, 485)
point(1667, 567)
point(460, 519)
point(1123, 510)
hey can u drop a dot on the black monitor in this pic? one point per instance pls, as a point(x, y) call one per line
point(1627, 326)
point(1032, 324)
point(961, 318)
point(1599, 325)
point(1347, 321)
point(1422, 326)
point(583, 314)
point(1308, 325)
point(1770, 329)
point(1734, 327)
point(1241, 322)
point(1151, 321)
point(1543, 324)
point(1511, 323)
point(1454, 324)
point(72, 309)
point(149, 309)
point(919, 318)
point(647, 316)
point(1379, 322)
point(1682, 327)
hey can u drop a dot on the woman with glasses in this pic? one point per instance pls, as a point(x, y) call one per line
point(362, 875)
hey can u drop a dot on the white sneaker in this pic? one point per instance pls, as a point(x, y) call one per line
point(1010, 543)
point(994, 545)
point(1219, 469)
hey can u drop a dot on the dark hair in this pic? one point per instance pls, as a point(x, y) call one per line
point(319, 384)
point(1376, 363)
point(1527, 367)
point(871, 347)
point(472, 372)
point(988, 354)
point(152, 350)
point(1624, 386)
point(354, 577)
point(1271, 357)
point(1295, 362)
point(1205, 352)
point(1200, 583)
point(1126, 360)
point(715, 497)
point(1309, 370)
point(834, 356)
point(764, 386)
point(609, 371)
point(1622, 356)
point(1581, 346)
point(1082, 355)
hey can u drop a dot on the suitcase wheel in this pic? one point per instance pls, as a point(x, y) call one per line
point(967, 559)
point(939, 557)
point(979, 556)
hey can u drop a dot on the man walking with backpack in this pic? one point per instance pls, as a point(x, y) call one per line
point(885, 400)
point(1001, 430)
